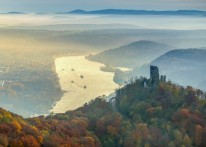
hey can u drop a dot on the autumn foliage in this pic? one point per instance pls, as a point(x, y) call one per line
point(165, 115)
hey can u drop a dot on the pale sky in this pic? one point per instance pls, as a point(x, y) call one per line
point(68, 5)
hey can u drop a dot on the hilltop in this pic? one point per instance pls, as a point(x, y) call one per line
point(132, 55)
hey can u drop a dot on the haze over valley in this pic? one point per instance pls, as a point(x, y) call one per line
point(38, 52)
point(105, 73)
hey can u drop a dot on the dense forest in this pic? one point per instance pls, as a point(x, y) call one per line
point(163, 115)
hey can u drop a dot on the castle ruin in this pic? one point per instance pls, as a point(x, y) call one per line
point(154, 75)
point(155, 78)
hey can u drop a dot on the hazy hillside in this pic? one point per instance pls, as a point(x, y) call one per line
point(132, 55)
point(188, 59)
point(94, 40)
point(184, 66)
point(166, 115)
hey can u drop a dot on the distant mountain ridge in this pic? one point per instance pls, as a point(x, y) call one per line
point(125, 12)
point(14, 12)
point(133, 54)
point(138, 12)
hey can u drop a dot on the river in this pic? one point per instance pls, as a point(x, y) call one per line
point(82, 80)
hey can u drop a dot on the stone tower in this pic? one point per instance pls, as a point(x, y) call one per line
point(154, 75)
point(163, 78)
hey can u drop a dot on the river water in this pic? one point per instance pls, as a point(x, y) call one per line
point(83, 80)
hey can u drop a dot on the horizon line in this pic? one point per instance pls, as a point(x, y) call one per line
point(26, 12)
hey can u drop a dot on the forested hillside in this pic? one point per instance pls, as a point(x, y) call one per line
point(162, 115)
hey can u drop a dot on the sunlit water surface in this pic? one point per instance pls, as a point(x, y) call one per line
point(83, 80)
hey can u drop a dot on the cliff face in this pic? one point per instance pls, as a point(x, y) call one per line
point(165, 115)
